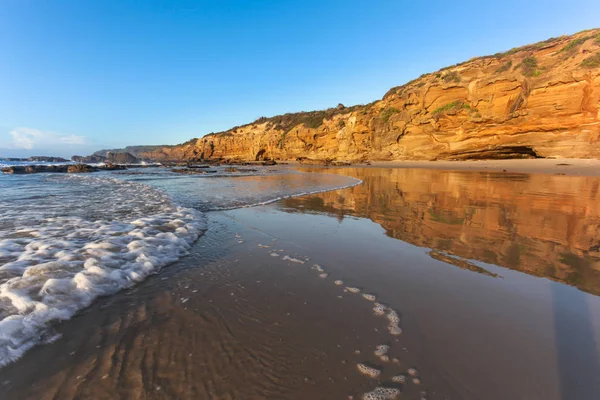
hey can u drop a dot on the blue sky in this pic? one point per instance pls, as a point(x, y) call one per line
point(77, 76)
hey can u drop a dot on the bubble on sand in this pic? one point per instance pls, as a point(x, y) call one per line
point(318, 268)
point(339, 283)
point(395, 330)
point(263, 246)
point(323, 275)
point(416, 381)
point(382, 393)
point(413, 372)
point(399, 379)
point(381, 350)
point(379, 309)
point(368, 371)
point(274, 254)
point(353, 289)
point(369, 297)
point(291, 259)
point(394, 319)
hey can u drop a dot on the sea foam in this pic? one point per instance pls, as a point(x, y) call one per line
point(100, 236)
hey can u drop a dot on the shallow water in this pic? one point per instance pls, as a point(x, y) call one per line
point(67, 239)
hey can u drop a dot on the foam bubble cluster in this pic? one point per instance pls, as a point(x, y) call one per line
point(318, 268)
point(368, 371)
point(369, 297)
point(379, 309)
point(291, 259)
point(399, 379)
point(394, 326)
point(339, 283)
point(381, 350)
point(353, 289)
point(382, 393)
point(59, 255)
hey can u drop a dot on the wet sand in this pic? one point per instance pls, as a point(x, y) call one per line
point(228, 322)
point(495, 279)
point(563, 166)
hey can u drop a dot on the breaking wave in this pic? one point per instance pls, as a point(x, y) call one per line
point(86, 238)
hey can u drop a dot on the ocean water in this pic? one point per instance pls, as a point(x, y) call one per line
point(68, 239)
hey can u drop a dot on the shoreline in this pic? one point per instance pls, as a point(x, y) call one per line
point(556, 166)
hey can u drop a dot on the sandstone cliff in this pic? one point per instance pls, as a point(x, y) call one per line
point(540, 100)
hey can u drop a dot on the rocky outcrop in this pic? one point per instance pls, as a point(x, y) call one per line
point(32, 169)
point(540, 100)
point(112, 158)
point(80, 168)
point(47, 159)
point(133, 150)
point(93, 159)
point(122, 158)
point(72, 169)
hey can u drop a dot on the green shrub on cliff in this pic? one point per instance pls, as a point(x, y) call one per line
point(504, 67)
point(452, 107)
point(386, 113)
point(451, 77)
point(310, 119)
point(591, 62)
point(572, 47)
point(529, 66)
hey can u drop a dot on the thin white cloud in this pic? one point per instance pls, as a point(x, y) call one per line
point(29, 139)
point(73, 139)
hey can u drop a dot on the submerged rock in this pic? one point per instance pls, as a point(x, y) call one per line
point(72, 169)
point(32, 169)
point(80, 168)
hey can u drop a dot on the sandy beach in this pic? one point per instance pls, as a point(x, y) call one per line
point(494, 277)
point(563, 166)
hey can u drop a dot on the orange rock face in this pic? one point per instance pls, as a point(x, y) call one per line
point(541, 100)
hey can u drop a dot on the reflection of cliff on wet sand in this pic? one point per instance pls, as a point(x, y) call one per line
point(460, 263)
point(543, 225)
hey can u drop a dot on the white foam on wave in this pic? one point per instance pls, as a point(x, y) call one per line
point(292, 259)
point(57, 258)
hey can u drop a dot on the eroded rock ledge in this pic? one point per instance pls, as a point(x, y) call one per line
point(71, 169)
